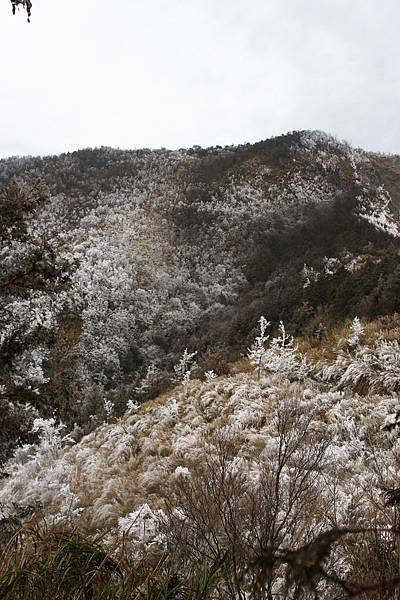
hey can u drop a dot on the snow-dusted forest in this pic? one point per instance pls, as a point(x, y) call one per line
point(200, 369)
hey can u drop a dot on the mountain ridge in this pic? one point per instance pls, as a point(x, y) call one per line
point(131, 256)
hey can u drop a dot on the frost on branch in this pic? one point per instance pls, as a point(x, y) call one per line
point(48, 447)
point(185, 367)
point(356, 333)
point(374, 367)
point(281, 356)
point(108, 408)
point(310, 275)
point(257, 351)
point(209, 375)
point(142, 527)
point(148, 384)
point(51, 439)
point(28, 369)
point(376, 209)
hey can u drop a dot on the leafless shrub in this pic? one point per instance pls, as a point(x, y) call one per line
point(253, 509)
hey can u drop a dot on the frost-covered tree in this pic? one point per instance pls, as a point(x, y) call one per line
point(148, 384)
point(257, 351)
point(108, 408)
point(356, 332)
point(280, 356)
point(185, 367)
point(31, 284)
point(51, 438)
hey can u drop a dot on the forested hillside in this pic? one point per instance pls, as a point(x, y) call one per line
point(127, 273)
point(128, 257)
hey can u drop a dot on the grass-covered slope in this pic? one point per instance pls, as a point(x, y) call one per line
point(256, 465)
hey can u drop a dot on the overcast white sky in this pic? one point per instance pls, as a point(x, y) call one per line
point(173, 73)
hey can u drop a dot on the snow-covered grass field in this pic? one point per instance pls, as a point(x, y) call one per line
point(260, 463)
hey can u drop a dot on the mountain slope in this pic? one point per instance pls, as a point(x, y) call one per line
point(273, 456)
point(135, 255)
point(144, 399)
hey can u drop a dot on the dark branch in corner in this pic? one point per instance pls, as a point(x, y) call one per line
point(26, 5)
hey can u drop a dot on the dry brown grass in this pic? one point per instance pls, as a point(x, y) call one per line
point(327, 346)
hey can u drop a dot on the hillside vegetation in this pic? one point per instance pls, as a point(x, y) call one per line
point(160, 438)
point(283, 473)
